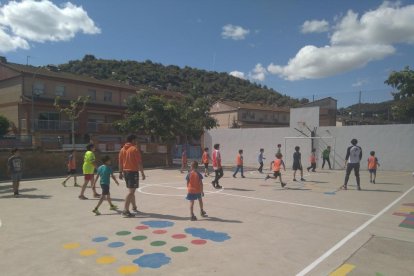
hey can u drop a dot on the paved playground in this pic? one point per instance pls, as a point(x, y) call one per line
point(254, 228)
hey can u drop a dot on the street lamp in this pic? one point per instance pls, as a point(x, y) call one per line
point(33, 94)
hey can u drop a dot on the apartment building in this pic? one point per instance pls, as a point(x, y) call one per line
point(327, 110)
point(231, 114)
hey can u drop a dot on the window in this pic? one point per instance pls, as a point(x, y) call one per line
point(49, 116)
point(244, 115)
point(38, 88)
point(92, 94)
point(107, 96)
point(60, 90)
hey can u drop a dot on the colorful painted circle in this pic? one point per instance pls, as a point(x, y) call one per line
point(116, 244)
point(179, 249)
point(141, 227)
point(158, 243)
point(123, 233)
point(72, 245)
point(199, 242)
point(155, 260)
point(179, 236)
point(159, 231)
point(128, 269)
point(99, 239)
point(139, 238)
point(106, 260)
point(135, 251)
point(158, 223)
point(88, 252)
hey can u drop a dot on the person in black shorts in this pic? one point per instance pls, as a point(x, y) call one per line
point(297, 164)
point(352, 162)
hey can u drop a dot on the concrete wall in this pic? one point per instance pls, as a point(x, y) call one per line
point(393, 144)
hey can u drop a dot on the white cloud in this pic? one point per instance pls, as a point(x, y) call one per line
point(355, 42)
point(9, 43)
point(234, 32)
point(42, 21)
point(258, 73)
point(237, 74)
point(315, 26)
point(359, 83)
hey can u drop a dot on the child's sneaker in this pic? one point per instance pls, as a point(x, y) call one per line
point(82, 197)
point(113, 207)
point(203, 214)
point(283, 184)
point(267, 177)
point(76, 185)
point(96, 195)
point(302, 179)
point(373, 181)
point(193, 218)
point(135, 210)
point(243, 176)
point(343, 187)
point(127, 214)
point(64, 183)
point(96, 212)
point(294, 179)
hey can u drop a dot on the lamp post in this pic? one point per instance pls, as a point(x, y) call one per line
point(32, 112)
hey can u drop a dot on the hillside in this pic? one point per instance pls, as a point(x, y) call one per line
point(376, 112)
point(186, 80)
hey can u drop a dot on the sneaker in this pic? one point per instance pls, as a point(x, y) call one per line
point(127, 214)
point(64, 183)
point(307, 169)
point(294, 179)
point(96, 195)
point(113, 207)
point(213, 183)
point(135, 210)
point(203, 214)
point(219, 187)
point(243, 176)
point(234, 176)
point(193, 218)
point(302, 179)
point(343, 187)
point(16, 194)
point(96, 212)
point(373, 181)
point(359, 188)
point(82, 197)
point(76, 185)
point(283, 184)
point(267, 177)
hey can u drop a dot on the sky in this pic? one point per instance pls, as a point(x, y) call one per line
point(301, 48)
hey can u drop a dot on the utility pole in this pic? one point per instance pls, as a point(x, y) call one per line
point(359, 105)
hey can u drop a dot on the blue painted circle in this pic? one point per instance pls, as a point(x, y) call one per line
point(99, 239)
point(116, 244)
point(155, 260)
point(158, 223)
point(135, 251)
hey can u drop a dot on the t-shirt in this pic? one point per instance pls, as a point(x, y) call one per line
point(277, 163)
point(312, 158)
point(71, 162)
point(353, 154)
point(104, 172)
point(88, 160)
point(216, 159)
point(372, 162)
point(325, 153)
point(129, 158)
point(260, 157)
point(205, 158)
point(194, 182)
point(239, 160)
point(296, 157)
point(15, 164)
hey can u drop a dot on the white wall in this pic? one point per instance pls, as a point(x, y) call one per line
point(393, 144)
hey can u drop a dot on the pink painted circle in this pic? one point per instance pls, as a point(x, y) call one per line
point(159, 231)
point(199, 242)
point(141, 227)
point(179, 236)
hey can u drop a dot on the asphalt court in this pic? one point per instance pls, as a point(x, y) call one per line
point(254, 226)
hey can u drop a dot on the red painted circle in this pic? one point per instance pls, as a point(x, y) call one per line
point(159, 231)
point(141, 227)
point(179, 236)
point(199, 242)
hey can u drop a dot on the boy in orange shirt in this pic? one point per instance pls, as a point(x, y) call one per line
point(195, 190)
point(71, 164)
point(205, 158)
point(312, 160)
point(275, 166)
point(372, 166)
point(239, 164)
point(183, 161)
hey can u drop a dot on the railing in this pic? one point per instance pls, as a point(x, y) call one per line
point(53, 125)
point(101, 128)
point(20, 141)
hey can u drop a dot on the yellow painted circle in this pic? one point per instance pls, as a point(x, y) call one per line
point(87, 252)
point(128, 269)
point(72, 245)
point(106, 260)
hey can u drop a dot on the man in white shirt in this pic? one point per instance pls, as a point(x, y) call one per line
point(352, 159)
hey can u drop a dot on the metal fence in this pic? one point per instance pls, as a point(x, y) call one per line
point(20, 141)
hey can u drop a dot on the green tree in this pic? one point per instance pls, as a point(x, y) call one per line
point(73, 110)
point(403, 83)
point(4, 125)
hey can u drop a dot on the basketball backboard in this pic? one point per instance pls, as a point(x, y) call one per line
point(303, 117)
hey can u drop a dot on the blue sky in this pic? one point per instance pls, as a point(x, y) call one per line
point(281, 44)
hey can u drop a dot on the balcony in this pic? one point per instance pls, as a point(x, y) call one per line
point(102, 128)
point(51, 125)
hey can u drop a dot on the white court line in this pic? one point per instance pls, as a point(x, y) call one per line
point(140, 189)
point(349, 236)
point(298, 204)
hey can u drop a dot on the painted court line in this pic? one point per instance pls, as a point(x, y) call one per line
point(297, 204)
point(349, 236)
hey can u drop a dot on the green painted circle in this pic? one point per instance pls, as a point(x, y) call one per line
point(179, 249)
point(158, 243)
point(139, 238)
point(123, 233)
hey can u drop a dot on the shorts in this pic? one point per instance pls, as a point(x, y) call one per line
point(193, 196)
point(105, 189)
point(206, 165)
point(17, 176)
point(88, 177)
point(296, 166)
point(276, 174)
point(372, 170)
point(131, 180)
point(72, 171)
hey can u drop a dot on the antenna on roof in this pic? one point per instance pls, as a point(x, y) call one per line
point(27, 60)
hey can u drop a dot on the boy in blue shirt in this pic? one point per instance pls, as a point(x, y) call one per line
point(104, 172)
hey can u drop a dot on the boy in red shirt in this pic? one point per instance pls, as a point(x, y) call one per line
point(312, 160)
point(372, 166)
point(195, 190)
point(71, 164)
point(239, 164)
point(205, 158)
point(275, 166)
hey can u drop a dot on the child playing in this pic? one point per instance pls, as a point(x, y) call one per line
point(275, 166)
point(297, 164)
point(205, 158)
point(279, 148)
point(15, 169)
point(312, 161)
point(372, 166)
point(260, 159)
point(104, 172)
point(195, 190)
point(71, 164)
point(239, 163)
point(183, 161)
point(88, 169)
